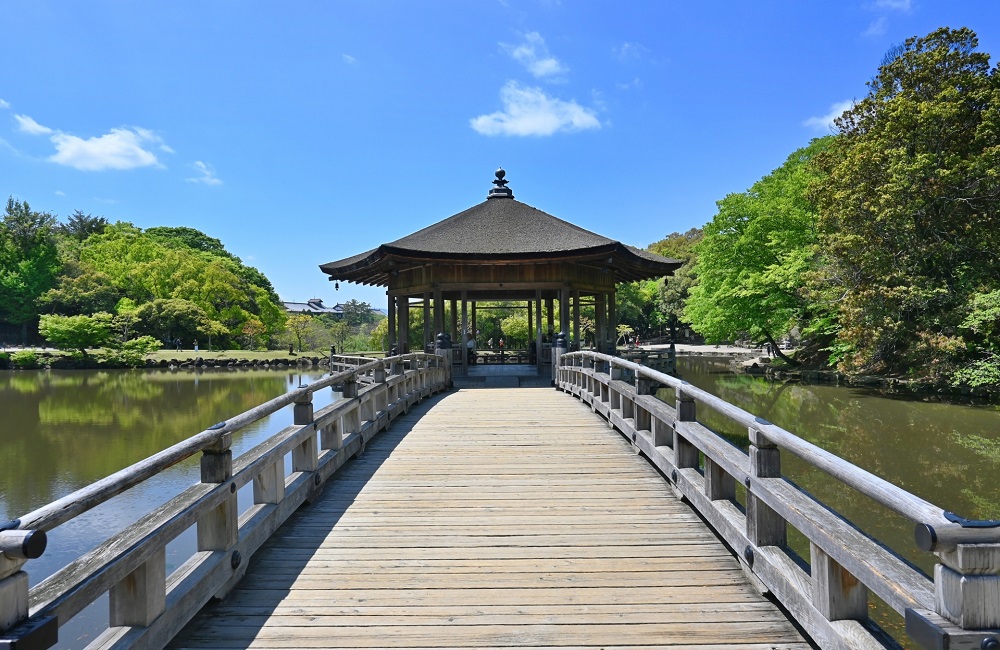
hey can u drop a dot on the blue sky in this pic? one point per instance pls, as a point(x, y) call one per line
point(303, 132)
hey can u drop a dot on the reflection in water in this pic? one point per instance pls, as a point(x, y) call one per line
point(63, 430)
point(948, 454)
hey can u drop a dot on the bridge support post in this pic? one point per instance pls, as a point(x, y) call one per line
point(13, 599)
point(967, 586)
point(765, 527)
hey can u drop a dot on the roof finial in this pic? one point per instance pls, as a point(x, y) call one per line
point(501, 190)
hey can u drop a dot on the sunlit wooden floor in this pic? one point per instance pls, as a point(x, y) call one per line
point(495, 518)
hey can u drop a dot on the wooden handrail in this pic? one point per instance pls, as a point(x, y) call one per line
point(958, 608)
point(319, 444)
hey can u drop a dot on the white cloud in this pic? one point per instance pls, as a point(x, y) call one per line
point(896, 5)
point(534, 55)
point(4, 104)
point(348, 59)
point(877, 28)
point(206, 174)
point(529, 111)
point(635, 83)
point(28, 125)
point(826, 121)
point(628, 51)
point(60, 193)
point(121, 148)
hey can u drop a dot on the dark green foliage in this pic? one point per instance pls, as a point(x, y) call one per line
point(910, 209)
point(29, 261)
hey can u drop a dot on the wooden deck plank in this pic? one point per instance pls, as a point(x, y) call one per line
point(529, 524)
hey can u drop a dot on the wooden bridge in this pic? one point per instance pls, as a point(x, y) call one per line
point(507, 517)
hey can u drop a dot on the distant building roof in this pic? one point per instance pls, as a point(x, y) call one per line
point(312, 306)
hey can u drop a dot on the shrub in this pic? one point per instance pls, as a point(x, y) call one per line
point(24, 359)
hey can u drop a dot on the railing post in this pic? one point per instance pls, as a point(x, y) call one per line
point(837, 594)
point(643, 386)
point(217, 528)
point(352, 418)
point(765, 527)
point(442, 348)
point(559, 348)
point(382, 392)
point(967, 586)
point(685, 453)
point(304, 455)
point(141, 596)
point(13, 582)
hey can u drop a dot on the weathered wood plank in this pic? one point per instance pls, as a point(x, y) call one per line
point(461, 529)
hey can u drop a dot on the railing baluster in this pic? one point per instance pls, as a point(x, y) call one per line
point(718, 483)
point(836, 593)
point(13, 599)
point(685, 453)
point(140, 596)
point(765, 527)
point(217, 528)
point(304, 456)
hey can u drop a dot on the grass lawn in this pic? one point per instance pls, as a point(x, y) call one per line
point(250, 355)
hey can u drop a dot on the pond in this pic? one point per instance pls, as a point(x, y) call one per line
point(62, 430)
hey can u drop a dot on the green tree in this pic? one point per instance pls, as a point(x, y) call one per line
point(171, 319)
point(79, 226)
point(515, 330)
point(358, 313)
point(754, 254)
point(674, 291)
point(76, 332)
point(87, 293)
point(339, 331)
point(297, 326)
point(29, 262)
point(910, 208)
point(252, 329)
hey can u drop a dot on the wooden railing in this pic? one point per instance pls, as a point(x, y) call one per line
point(147, 606)
point(958, 608)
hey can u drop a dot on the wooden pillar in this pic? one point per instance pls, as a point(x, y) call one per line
point(538, 328)
point(404, 324)
point(576, 320)
point(454, 321)
point(601, 327)
point(531, 322)
point(564, 312)
point(392, 322)
point(612, 323)
point(464, 338)
point(551, 317)
point(428, 336)
point(438, 312)
point(474, 330)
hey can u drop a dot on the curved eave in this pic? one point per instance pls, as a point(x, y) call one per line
point(373, 267)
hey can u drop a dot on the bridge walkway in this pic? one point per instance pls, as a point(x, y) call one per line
point(494, 518)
